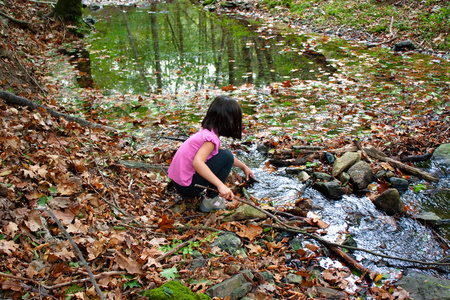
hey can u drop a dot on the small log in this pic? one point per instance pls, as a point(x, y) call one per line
point(16, 100)
point(377, 154)
point(366, 272)
point(290, 162)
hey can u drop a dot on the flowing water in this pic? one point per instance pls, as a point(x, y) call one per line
point(177, 48)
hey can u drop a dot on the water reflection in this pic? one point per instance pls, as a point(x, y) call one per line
point(177, 47)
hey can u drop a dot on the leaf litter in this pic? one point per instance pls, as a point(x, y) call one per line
point(121, 218)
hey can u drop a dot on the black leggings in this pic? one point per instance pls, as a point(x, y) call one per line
point(220, 164)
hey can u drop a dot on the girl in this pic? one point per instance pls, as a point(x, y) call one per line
point(199, 160)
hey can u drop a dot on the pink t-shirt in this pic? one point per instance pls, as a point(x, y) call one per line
point(181, 169)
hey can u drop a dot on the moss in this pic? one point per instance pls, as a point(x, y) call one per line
point(174, 290)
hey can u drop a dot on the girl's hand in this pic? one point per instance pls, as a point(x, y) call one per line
point(248, 172)
point(225, 192)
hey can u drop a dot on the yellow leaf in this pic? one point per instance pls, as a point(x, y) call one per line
point(378, 278)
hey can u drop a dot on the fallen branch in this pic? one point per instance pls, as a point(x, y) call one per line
point(175, 250)
point(13, 99)
point(77, 250)
point(377, 154)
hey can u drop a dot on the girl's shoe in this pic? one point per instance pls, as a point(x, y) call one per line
point(215, 203)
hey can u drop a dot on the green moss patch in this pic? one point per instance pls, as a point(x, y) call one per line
point(174, 290)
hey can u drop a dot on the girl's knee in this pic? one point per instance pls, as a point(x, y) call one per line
point(226, 156)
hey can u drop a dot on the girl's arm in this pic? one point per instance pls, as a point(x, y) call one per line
point(203, 170)
point(247, 171)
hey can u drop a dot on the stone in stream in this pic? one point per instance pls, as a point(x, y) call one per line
point(441, 155)
point(331, 189)
point(361, 175)
point(389, 201)
point(399, 183)
point(344, 162)
point(424, 287)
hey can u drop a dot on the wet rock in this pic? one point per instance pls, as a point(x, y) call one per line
point(399, 183)
point(322, 292)
point(245, 212)
point(380, 174)
point(303, 176)
point(293, 170)
point(344, 162)
point(441, 155)
point(424, 287)
point(323, 176)
point(389, 174)
point(329, 158)
point(293, 278)
point(428, 217)
point(262, 149)
point(236, 287)
point(404, 46)
point(361, 175)
point(229, 242)
point(332, 189)
point(344, 178)
point(389, 202)
point(350, 241)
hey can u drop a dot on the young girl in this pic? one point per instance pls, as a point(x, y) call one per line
point(199, 160)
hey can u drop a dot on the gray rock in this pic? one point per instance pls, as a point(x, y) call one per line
point(228, 242)
point(389, 201)
point(361, 175)
point(236, 287)
point(326, 293)
point(442, 155)
point(245, 212)
point(380, 174)
point(428, 217)
point(329, 157)
point(399, 183)
point(323, 176)
point(303, 176)
point(424, 287)
point(404, 46)
point(344, 178)
point(332, 189)
point(344, 162)
point(293, 278)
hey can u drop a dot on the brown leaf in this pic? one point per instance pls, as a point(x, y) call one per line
point(249, 232)
point(165, 223)
point(127, 263)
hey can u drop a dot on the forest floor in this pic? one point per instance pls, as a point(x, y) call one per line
point(119, 218)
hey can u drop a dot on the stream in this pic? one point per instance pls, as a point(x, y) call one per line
point(179, 50)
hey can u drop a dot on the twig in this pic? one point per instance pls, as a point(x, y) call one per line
point(175, 250)
point(77, 250)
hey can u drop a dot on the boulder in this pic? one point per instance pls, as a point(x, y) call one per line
point(424, 287)
point(441, 155)
point(361, 175)
point(344, 162)
point(404, 46)
point(428, 217)
point(235, 287)
point(331, 189)
point(245, 212)
point(399, 183)
point(229, 242)
point(389, 201)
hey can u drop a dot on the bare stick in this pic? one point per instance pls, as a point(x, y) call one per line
point(175, 250)
point(77, 250)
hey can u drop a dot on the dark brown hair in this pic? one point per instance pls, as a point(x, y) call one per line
point(224, 116)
